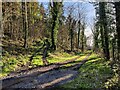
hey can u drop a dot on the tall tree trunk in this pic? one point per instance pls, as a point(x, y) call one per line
point(71, 41)
point(96, 38)
point(113, 49)
point(117, 9)
point(11, 22)
point(25, 22)
point(29, 16)
point(72, 26)
point(78, 34)
point(82, 39)
point(1, 25)
point(56, 11)
point(52, 32)
point(103, 29)
point(11, 28)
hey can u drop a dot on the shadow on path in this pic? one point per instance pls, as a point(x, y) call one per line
point(48, 76)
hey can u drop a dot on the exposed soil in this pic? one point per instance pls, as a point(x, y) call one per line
point(44, 77)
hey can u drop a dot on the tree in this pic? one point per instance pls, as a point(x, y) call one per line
point(56, 11)
point(95, 32)
point(25, 22)
point(103, 30)
point(1, 23)
point(81, 15)
point(117, 9)
point(72, 33)
point(82, 37)
point(79, 24)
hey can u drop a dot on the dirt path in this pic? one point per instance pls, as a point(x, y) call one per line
point(40, 69)
point(48, 76)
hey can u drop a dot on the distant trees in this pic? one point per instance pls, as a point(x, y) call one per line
point(10, 13)
point(71, 27)
point(30, 21)
point(23, 21)
point(76, 26)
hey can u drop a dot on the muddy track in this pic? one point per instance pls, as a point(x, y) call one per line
point(37, 77)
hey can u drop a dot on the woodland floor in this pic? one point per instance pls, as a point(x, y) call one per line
point(44, 77)
point(66, 71)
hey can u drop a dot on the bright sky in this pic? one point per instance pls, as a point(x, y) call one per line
point(90, 16)
point(90, 12)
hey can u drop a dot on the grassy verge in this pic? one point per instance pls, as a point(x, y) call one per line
point(93, 74)
point(12, 63)
point(76, 61)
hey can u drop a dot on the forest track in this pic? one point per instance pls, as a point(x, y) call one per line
point(28, 78)
point(40, 69)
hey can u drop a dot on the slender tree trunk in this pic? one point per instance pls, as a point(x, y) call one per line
point(25, 22)
point(11, 28)
point(113, 49)
point(79, 34)
point(102, 39)
point(1, 26)
point(11, 21)
point(95, 43)
point(82, 39)
point(23, 16)
point(29, 16)
point(96, 47)
point(71, 42)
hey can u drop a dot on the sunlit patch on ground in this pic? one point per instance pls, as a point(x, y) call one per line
point(93, 74)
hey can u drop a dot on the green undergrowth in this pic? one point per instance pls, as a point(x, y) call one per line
point(76, 61)
point(53, 58)
point(82, 57)
point(60, 57)
point(92, 75)
point(12, 63)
